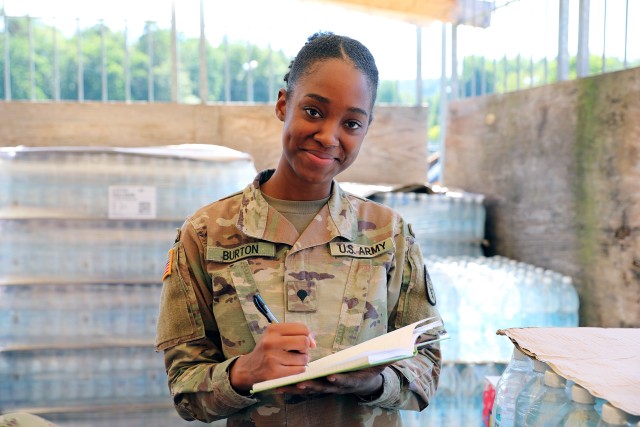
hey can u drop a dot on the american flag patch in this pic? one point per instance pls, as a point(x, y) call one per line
point(167, 266)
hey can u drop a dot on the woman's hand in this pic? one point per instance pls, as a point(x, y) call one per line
point(365, 382)
point(283, 350)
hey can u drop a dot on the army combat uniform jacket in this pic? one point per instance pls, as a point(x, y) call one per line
point(353, 274)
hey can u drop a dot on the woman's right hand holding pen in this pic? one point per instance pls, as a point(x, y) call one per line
point(282, 350)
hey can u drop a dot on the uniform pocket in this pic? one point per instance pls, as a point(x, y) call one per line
point(354, 304)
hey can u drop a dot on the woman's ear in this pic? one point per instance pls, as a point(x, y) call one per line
point(281, 104)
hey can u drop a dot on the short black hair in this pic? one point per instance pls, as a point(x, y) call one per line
point(327, 45)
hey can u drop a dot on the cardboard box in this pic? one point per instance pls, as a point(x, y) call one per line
point(605, 361)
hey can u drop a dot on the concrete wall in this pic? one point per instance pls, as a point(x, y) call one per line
point(394, 151)
point(560, 166)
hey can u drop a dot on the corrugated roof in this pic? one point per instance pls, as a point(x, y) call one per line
point(418, 12)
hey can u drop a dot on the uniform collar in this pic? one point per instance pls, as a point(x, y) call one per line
point(255, 213)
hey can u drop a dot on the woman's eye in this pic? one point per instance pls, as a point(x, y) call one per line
point(312, 112)
point(352, 124)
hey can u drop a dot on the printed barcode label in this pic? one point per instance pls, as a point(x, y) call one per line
point(144, 208)
point(132, 202)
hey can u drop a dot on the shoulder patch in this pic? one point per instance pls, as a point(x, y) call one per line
point(431, 294)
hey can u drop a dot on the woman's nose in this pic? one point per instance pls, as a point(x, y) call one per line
point(327, 135)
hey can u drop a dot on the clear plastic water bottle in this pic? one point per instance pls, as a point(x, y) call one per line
point(582, 412)
point(472, 384)
point(447, 401)
point(570, 302)
point(103, 373)
point(530, 391)
point(5, 381)
point(6, 314)
point(516, 374)
point(612, 416)
point(21, 378)
point(551, 405)
point(137, 376)
point(449, 303)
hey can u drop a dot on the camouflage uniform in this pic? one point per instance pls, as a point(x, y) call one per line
point(353, 274)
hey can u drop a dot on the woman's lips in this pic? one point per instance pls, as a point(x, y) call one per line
point(320, 157)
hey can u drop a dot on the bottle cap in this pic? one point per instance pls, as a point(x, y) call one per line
point(613, 415)
point(539, 366)
point(554, 380)
point(581, 395)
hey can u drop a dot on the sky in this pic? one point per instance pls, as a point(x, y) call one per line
point(527, 26)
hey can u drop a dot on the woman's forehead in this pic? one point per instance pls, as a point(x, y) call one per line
point(336, 76)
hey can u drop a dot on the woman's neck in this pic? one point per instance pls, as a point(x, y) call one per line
point(278, 187)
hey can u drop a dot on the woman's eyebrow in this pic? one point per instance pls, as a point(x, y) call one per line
point(325, 100)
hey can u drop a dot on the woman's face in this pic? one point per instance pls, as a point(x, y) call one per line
point(325, 120)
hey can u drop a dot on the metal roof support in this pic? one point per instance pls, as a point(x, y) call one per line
point(7, 68)
point(418, 65)
point(103, 63)
point(56, 63)
point(150, 84)
point(174, 54)
point(444, 99)
point(582, 59)
point(32, 65)
point(563, 41)
point(454, 61)
point(626, 33)
point(227, 71)
point(127, 64)
point(204, 90)
point(80, 64)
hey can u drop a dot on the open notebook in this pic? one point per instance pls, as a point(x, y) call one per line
point(388, 348)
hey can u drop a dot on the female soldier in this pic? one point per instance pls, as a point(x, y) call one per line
point(336, 269)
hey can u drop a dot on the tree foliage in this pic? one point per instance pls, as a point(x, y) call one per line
point(44, 64)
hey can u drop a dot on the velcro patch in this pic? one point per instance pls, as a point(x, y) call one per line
point(354, 250)
point(301, 296)
point(218, 254)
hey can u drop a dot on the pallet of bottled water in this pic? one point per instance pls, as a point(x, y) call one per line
point(458, 399)
point(84, 250)
point(446, 224)
point(477, 296)
point(127, 416)
point(85, 234)
point(532, 393)
point(51, 314)
point(76, 377)
point(105, 182)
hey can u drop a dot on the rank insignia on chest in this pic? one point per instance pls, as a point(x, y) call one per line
point(167, 266)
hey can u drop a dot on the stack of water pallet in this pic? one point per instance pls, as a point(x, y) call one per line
point(85, 233)
point(476, 295)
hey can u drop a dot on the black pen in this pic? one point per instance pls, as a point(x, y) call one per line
point(262, 308)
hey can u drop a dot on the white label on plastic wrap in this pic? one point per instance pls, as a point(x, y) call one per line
point(132, 202)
